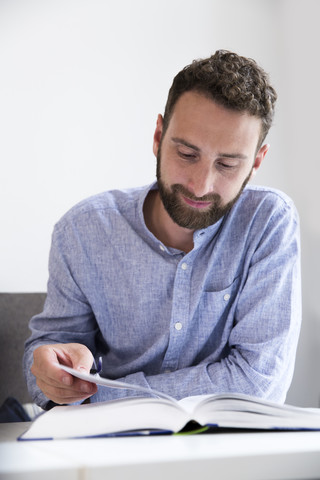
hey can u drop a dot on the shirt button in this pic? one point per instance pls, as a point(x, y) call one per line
point(161, 247)
point(178, 326)
point(184, 266)
point(226, 297)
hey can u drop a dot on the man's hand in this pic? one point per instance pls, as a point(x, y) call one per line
point(57, 385)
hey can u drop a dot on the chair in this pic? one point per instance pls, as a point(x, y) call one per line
point(16, 309)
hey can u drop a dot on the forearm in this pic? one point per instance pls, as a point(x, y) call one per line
point(231, 374)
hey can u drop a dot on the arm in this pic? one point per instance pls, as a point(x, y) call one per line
point(63, 333)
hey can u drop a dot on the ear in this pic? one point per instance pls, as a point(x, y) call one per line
point(157, 134)
point(259, 157)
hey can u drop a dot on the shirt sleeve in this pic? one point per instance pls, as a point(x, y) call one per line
point(66, 318)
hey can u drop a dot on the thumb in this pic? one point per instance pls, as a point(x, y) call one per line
point(75, 355)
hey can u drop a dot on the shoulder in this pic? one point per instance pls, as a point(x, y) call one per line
point(260, 210)
point(267, 200)
point(272, 195)
point(103, 205)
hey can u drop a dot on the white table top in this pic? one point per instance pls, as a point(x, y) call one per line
point(270, 455)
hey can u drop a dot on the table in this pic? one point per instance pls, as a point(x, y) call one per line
point(248, 456)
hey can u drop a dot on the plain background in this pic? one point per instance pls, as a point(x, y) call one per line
point(81, 84)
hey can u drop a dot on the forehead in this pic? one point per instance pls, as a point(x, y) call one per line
point(199, 119)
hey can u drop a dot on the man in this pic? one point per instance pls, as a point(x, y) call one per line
point(192, 285)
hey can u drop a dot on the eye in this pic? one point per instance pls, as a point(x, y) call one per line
point(187, 156)
point(226, 166)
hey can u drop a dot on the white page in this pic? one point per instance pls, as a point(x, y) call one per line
point(106, 382)
point(124, 415)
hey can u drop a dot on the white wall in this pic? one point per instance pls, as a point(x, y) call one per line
point(299, 173)
point(81, 83)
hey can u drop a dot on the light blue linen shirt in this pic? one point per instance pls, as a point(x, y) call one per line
point(223, 318)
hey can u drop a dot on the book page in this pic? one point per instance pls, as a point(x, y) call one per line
point(132, 414)
point(190, 404)
point(243, 411)
point(106, 382)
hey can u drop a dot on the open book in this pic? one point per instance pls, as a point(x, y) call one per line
point(164, 414)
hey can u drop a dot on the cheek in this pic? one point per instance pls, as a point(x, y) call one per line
point(170, 173)
point(228, 189)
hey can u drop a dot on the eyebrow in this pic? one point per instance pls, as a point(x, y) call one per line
point(185, 143)
point(240, 156)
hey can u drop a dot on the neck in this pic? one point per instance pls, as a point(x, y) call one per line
point(163, 227)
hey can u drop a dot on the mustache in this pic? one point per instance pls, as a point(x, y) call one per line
point(210, 197)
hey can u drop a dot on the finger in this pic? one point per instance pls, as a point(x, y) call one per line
point(48, 357)
point(74, 355)
point(45, 365)
point(61, 398)
point(67, 395)
point(56, 384)
point(79, 358)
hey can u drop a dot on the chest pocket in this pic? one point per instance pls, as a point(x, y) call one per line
point(215, 317)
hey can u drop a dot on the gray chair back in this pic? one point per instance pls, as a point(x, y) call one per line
point(16, 309)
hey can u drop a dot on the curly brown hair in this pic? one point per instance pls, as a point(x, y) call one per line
point(233, 81)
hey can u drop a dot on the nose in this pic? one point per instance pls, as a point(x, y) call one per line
point(201, 181)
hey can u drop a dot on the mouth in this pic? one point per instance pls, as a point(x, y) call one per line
point(196, 204)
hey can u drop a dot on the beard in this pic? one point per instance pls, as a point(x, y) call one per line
point(186, 216)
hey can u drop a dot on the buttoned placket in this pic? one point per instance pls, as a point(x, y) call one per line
point(179, 324)
point(179, 328)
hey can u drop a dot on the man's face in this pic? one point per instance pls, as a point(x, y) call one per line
point(204, 159)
